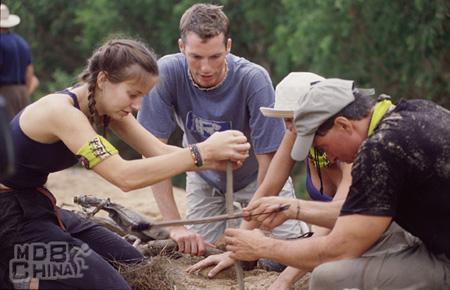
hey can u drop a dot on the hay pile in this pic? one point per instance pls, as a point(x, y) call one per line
point(162, 272)
point(159, 272)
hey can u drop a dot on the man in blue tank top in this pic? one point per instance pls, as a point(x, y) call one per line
point(17, 79)
point(205, 89)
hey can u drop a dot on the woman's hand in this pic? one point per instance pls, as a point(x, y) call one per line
point(262, 211)
point(189, 242)
point(223, 146)
point(220, 261)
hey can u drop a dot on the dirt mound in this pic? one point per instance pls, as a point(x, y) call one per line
point(166, 273)
point(158, 272)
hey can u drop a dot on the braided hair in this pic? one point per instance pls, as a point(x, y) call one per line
point(115, 58)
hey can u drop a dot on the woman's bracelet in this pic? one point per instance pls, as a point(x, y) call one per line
point(195, 154)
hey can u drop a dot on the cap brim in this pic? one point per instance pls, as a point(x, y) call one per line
point(301, 147)
point(273, 113)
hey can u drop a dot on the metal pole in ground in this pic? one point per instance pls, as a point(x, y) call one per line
point(232, 223)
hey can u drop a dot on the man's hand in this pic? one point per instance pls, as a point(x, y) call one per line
point(189, 242)
point(246, 245)
point(222, 261)
point(262, 211)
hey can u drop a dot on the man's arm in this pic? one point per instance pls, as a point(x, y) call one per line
point(31, 81)
point(163, 193)
point(350, 238)
point(323, 214)
point(188, 242)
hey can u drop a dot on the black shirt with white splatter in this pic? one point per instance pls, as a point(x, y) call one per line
point(403, 171)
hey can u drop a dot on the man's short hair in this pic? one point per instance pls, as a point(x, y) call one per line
point(356, 110)
point(205, 20)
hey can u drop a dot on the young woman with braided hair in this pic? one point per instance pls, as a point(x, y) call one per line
point(59, 130)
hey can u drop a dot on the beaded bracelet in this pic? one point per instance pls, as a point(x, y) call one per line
point(195, 154)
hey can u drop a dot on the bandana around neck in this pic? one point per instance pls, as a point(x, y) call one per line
point(380, 109)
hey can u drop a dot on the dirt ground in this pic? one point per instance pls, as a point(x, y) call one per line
point(75, 181)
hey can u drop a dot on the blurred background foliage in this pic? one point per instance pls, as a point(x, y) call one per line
point(399, 47)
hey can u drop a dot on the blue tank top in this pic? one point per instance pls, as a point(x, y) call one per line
point(313, 192)
point(34, 160)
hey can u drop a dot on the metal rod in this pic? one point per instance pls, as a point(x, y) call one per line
point(229, 204)
point(229, 191)
point(205, 220)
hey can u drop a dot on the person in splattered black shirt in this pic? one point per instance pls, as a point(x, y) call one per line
point(401, 172)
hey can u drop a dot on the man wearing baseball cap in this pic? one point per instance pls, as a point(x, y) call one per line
point(17, 78)
point(401, 172)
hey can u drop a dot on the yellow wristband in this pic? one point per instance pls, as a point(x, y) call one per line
point(95, 151)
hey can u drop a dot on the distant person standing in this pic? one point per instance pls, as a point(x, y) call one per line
point(17, 79)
